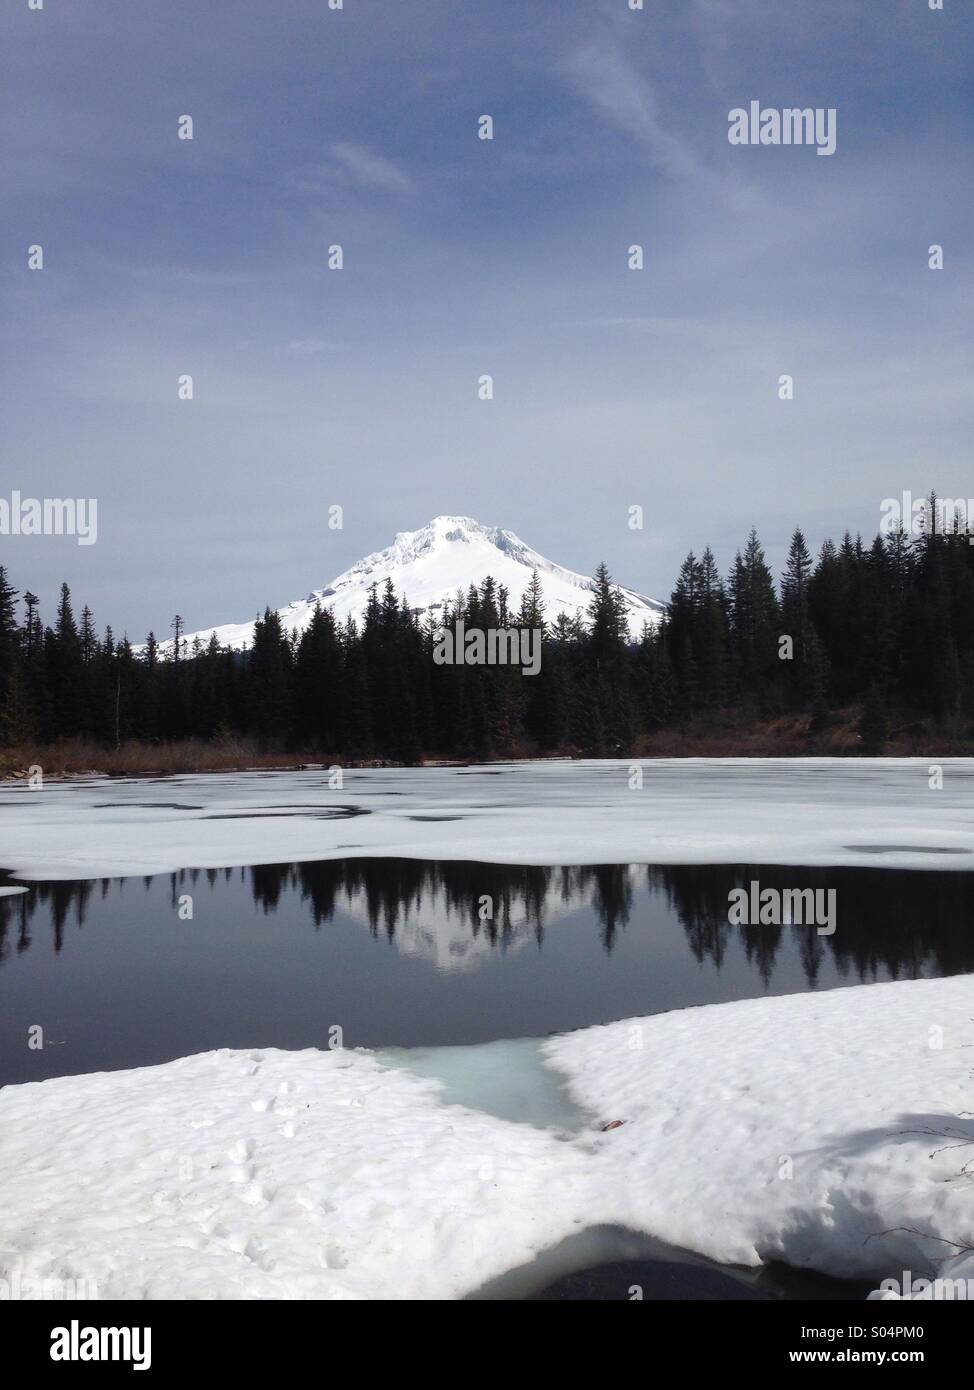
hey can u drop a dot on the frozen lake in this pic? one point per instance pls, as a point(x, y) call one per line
point(416, 908)
point(474, 926)
point(880, 812)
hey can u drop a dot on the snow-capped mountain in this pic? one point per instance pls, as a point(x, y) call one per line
point(428, 566)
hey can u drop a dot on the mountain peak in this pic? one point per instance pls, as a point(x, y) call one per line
point(447, 523)
point(429, 565)
point(442, 529)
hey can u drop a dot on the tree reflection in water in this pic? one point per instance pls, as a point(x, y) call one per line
point(896, 923)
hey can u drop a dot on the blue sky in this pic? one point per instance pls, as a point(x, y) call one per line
point(462, 257)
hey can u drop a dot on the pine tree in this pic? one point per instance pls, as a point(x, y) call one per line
point(710, 634)
point(803, 672)
point(531, 611)
point(36, 676)
point(657, 683)
point(605, 696)
point(318, 691)
point(87, 637)
point(9, 634)
point(269, 673)
point(681, 632)
point(149, 724)
point(11, 692)
point(33, 633)
point(754, 628)
point(66, 668)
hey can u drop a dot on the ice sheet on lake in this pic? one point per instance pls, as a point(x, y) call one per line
point(866, 812)
point(812, 1128)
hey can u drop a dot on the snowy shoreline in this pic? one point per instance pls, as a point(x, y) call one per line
point(867, 813)
point(801, 1128)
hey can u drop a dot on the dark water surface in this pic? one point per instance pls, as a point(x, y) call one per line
point(612, 1263)
point(394, 952)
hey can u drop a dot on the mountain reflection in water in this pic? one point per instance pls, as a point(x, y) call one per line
point(406, 953)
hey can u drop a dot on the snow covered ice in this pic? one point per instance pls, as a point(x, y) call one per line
point(870, 813)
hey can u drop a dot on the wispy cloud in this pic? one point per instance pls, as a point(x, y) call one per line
point(352, 166)
point(606, 77)
point(371, 170)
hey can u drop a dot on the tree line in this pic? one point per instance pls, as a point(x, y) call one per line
point(883, 628)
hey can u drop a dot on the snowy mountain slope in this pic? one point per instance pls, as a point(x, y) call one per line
point(428, 566)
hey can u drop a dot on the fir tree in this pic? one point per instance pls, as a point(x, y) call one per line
point(803, 673)
point(754, 628)
point(10, 680)
point(66, 668)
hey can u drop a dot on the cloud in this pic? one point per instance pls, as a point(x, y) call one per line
point(602, 73)
point(351, 166)
point(371, 170)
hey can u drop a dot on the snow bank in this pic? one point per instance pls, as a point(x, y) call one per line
point(271, 1174)
point(331, 1175)
point(801, 1128)
point(868, 812)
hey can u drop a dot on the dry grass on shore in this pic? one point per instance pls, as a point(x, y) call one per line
point(75, 757)
point(785, 737)
point(791, 736)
